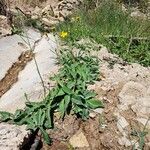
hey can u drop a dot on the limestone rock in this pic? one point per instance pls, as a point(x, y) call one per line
point(53, 14)
point(122, 124)
point(92, 114)
point(99, 110)
point(124, 142)
point(131, 92)
point(49, 22)
point(43, 48)
point(36, 10)
point(79, 140)
point(13, 133)
point(144, 122)
point(142, 107)
point(5, 28)
point(148, 92)
point(137, 14)
point(48, 10)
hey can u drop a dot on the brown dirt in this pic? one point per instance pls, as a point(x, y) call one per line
point(12, 74)
point(98, 137)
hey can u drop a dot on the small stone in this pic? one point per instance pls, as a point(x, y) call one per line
point(92, 114)
point(49, 22)
point(61, 19)
point(37, 10)
point(5, 28)
point(65, 13)
point(99, 110)
point(34, 17)
point(144, 122)
point(79, 140)
point(121, 124)
point(138, 15)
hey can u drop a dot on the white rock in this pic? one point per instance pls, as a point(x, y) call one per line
point(122, 124)
point(131, 92)
point(92, 114)
point(148, 92)
point(124, 142)
point(49, 22)
point(36, 11)
point(144, 122)
point(79, 140)
point(142, 107)
point(5, 28)
point(138, 14)
point(15, 49)
point(99, 110)
point(28, 80)
point(34, 17)
point(12, 136)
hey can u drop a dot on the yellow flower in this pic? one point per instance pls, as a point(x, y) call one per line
point(77, 18)
point(63, 34)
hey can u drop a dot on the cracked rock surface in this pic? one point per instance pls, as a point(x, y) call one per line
point(12, 136)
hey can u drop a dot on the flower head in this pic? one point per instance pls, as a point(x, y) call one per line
point(63, 34)
point(76, 18)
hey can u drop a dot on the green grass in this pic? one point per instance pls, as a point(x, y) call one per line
point(109, 19)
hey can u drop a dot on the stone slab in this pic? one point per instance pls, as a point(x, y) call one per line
point(28, 80)
point(11, 48)
point(13, 133)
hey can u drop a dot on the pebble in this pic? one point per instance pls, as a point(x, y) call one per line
point(79, 140)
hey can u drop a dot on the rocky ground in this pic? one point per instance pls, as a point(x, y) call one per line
point(124, 88)
point(47, 13)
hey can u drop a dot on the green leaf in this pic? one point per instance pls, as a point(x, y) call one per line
point(71, 84)
point(45, 136)
point(67, 101)
point(93, 103)
point(77, 100)
point(60, 92)
point(42, 119)
point(19, 115)
point(66, 90)
point(84, 114)
point(64, 105)
point(35, 118)
point(5, 116)
point(39, 117)
point(31, 104)
point(30, 124)
point(89, 94)
point(49, 117)
point(62, 108)
point(77, 109)
point(54, 92)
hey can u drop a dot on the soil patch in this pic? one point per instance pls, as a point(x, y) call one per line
point(12, 75)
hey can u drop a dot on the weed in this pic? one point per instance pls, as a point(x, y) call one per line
point(141, 136)
point(69, 95)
